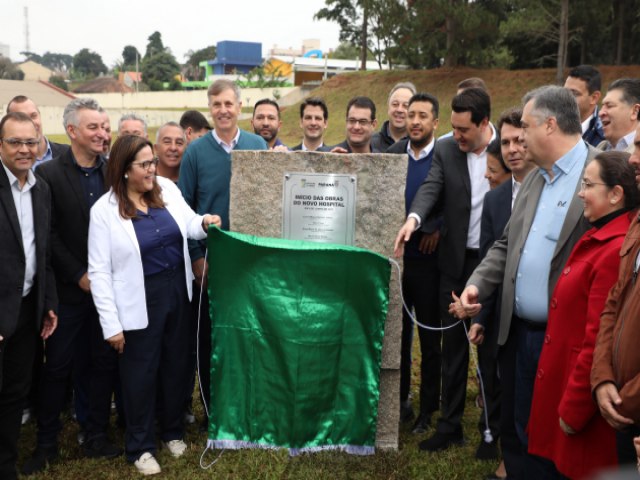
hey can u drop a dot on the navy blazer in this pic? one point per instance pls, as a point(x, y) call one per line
point(12, 257)
point(69, 226)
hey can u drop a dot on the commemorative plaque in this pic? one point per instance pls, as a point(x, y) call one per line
point(319, 207)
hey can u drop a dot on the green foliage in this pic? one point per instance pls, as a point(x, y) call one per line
point(87, 65)
point(59, 82)
point(8, 70)
point(159, 68)
point(259, 78)
point(129, 56)
point(59, 62)
point(192, 68)
point(154, 45)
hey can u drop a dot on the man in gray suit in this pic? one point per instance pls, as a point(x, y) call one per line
point(456, 182)
point(27, 287)
point(545, 224)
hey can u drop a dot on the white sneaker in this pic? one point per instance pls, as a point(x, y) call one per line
point(147, 464)
point(176, 447)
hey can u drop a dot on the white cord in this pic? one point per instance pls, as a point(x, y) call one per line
point(206, 400)
point(488, 438)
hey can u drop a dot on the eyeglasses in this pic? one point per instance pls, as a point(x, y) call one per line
point(363, 122)
point(147, 163)
point(16, 142)
point(585, 185)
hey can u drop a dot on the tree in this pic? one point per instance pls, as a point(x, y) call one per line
point(88, 64)
point(154, 45)
point(159, 68)
point(8, 70)
point(192, 69)
point(59, 82)
point(59, 62)
point(130, 56)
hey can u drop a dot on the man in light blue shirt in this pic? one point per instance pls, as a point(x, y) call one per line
point(545, 224)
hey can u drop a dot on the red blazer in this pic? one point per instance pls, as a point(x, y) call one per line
point(562, 387)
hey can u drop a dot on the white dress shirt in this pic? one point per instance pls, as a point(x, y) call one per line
point(226, 146)
point(477, 166)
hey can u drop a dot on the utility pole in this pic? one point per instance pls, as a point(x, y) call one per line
point(26, 29)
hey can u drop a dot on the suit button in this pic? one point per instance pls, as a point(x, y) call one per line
point(567, 270)
point(19, 289)
point(540, 373)
point(554, 303)
point(547, 339)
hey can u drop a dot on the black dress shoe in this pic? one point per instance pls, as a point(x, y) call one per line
point(487, 451)
point(422, 423)
point(100, 447)
point(441, 441)
point(406, 412)
point(42, 456)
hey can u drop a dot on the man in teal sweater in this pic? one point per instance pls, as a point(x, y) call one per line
point(205, 175)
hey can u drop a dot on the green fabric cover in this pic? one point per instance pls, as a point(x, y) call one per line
point(297, 332)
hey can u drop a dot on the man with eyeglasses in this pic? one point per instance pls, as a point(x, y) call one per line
point(76, 180)
point(457, 184)
point(395, 128)
point(28, 299)
point(47, 150)
point(546, 222)
point(361, 122)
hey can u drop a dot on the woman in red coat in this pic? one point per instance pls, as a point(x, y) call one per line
point(565, 425)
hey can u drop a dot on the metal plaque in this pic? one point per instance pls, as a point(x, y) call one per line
point(319, 207)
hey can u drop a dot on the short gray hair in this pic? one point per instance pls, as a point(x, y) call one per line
point(219, 86)
point(132, 116)
point(70, 115)
point(408, 85)
point(558, 102)
point(170, 124)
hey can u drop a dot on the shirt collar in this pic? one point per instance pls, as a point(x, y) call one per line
point(568, 161)
point(424, 152)
point(14, 182)
point(305, 149)
point(627, 140)
point(233, 143)
point(493, 137)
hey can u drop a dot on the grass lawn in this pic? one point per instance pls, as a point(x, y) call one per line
point(407, 463)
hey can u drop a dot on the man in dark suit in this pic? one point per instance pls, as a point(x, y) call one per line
point(76, 180)
point(47, 150)
point(420, 274)
point(314, 118)
point(361, 123)
point(27, 287)
point(456, 181)
point(484, 329)
point(545, 224)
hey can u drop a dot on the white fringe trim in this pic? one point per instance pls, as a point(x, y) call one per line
point(239, 444)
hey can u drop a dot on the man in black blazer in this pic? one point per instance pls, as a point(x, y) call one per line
point(456, 181)
point(420, 276)
point(27, 287)
point(361, 123)
point(76, 180)
point(47, 150)
point(314, 118)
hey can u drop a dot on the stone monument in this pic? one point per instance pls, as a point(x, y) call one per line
point(256, 208)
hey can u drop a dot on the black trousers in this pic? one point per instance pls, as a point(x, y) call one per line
point(17, 353)
point(513, 452)
point(420, 281)
point(78, 326)
point(154, 365)
point(488, 363)
point(455, 352)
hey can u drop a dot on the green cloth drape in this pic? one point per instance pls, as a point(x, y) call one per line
point(297, 332)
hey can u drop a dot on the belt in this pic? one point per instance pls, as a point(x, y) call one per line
point(530, 324)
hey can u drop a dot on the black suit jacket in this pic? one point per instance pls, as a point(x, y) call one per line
point(12, 257)
point(496, 211)
point(323, 148)
point(69, 226)
point(448, 182)
point(58, 149)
